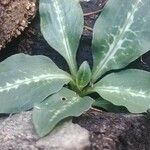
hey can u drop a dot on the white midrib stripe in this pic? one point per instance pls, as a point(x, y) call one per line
point(64, 108)
point(112, 51)
point(33, 79)
point(124, 91)
point(62, 26)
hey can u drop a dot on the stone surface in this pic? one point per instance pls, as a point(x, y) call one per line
point(15, 15)
point(17, 133)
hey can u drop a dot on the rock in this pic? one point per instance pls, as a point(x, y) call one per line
point(17, 133)
point(15, 15)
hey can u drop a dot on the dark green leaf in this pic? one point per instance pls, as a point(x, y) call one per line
point(57, 107)
point(25, 80)
point(108, 106)
point(121, 35)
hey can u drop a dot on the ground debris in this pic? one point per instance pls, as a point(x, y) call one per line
point(15, 15)
point(110, 131)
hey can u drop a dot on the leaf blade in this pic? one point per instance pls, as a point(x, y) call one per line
point(108, 106)
point(27, 79)
point(83, 75)
point(128, 88)
point(60, 29)
point(121, 35)
point(57, 107)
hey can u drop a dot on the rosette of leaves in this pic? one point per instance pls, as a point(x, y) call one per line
point(121, 35)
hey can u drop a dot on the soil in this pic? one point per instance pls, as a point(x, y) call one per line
point(14, 18)
point(108, 131)
point(111, 131)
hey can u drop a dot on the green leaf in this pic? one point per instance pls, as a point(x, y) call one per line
point(26, 79)
point(108, 106)
point(83, 75)
point(121, 35)
point(130, 88)
point(62, 25)
point(57, 107)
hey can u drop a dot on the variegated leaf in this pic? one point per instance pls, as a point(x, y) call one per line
point(25, 80)
point(57, 107)
point(121, 35)
point(130, 88)
point(62, 25)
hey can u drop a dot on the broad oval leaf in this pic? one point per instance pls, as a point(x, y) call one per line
point(62, 25)
point(130, 88)
point(64, 104)
point(83, 75)
point(26, 79)
point(121, 35)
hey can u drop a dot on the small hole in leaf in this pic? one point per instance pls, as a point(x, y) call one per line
point(64, 99)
